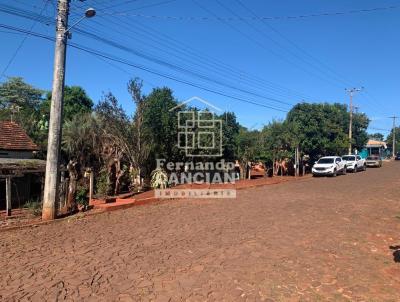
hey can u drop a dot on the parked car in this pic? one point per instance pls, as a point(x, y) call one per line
point(373, 161)
point(355, 163)
point(397, 156)
point(329, 165)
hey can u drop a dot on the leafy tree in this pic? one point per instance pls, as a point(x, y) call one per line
point(161, 124)
point(76, 102)
point(81, 138)
point(377, 137)
point(24, 100)
point(115, 140)
point(248, 145)
point(80, 142)
point(360, 135)
point(16, 92)
point(319, 129)
point(389, 139)
point(277, 141)
point(230, 131)
point(141, 142)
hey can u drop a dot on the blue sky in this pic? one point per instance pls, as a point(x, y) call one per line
point(274, 62)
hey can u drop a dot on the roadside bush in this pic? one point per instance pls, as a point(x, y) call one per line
point(159, 179)
point(82, 195)
point(102, 184)
point(34, 206)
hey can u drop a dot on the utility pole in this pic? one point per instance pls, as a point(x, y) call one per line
point(52, 178)
point(351, 93)
point(51, 185)
point(394, 135)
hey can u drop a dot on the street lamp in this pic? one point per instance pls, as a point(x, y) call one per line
point(89, 13)
point(51, 185)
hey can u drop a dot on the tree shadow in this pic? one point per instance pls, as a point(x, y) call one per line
point(396, 253)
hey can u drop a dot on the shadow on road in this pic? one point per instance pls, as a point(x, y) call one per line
point(396, 253)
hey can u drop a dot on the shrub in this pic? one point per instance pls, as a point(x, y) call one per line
point(35, 206)
point(159, 179)
point(102, 184)
point(82, 195)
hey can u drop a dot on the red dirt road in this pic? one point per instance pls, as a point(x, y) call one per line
point(314, 240)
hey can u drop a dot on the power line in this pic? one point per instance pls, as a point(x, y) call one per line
point(216, 64)
point(125, 62)
point(118, 4)
point(258, 43)
point(379, 129)
point(163, 63)
point(334, 75)
point(337, 77)
point(151, 34)
point(234, 77)
point(147, 6)
point(14, 55)
point(205, 18)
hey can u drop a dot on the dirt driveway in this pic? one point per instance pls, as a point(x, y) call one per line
point(314, 240)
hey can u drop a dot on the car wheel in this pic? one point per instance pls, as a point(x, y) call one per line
point(344, 172)
point(334, 173)
point(365, 168)
point(355, 170)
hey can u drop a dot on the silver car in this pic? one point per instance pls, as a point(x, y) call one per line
point(373, 161)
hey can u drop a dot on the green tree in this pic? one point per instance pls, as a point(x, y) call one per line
point(22, 101)
point(360, 135)
point(230, 131)
point(141, 140)
point(389, 139)
point(277, 141)
point(248, 145)
point(80, 143)
point(377, 136)
point(76, 102)
point(320, 129)
point(115, 141)
point(161, 124)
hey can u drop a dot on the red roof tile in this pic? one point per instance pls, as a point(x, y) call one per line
point(13, 137)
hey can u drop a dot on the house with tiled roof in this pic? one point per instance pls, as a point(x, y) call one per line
point(21, 176)
point(14, 142)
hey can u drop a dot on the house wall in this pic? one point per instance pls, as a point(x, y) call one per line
point(16, 154)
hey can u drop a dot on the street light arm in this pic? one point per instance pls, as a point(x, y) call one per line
point(90, 12)
point(76, 23)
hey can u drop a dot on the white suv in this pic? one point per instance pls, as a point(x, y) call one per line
point(355, 163)
point(329, 165)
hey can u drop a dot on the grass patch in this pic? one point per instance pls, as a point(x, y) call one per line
point(34, 206)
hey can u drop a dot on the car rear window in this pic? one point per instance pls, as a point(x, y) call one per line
point(372, 158)
point(349, 158)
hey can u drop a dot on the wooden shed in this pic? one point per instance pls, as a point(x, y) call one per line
point(21, 176)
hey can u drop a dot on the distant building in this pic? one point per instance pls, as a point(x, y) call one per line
point(374, 147)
